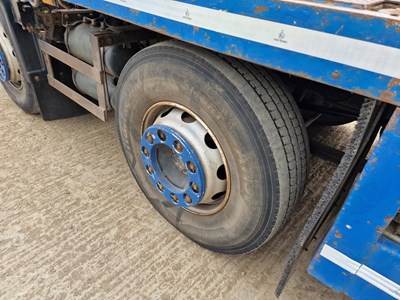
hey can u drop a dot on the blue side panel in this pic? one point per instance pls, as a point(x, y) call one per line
point(370, 207)
point(336, 22)
point(385, 260)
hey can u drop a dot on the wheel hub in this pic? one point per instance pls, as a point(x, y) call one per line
point(9, 65)
point(4, 73)
point(173, 166)
point(183, 159)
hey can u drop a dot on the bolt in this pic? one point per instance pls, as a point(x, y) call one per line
point(145, 151)
point(160, 186)
point(178, 146)
point(336, 75)
point(161, 135)
point(195, 187)
point(191, 167)
point(175, 198)
point(188, 200)
point(150, 170)
point(149, 138)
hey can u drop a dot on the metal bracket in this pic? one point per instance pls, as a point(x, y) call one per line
point(95, 73)
point(98, 40)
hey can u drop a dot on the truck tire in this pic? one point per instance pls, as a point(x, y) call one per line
point(216, 144)
point(13, 75)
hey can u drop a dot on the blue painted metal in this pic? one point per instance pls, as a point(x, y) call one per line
point(356, 24)
point(370, 207)
point(4, 71)
point(150, 143)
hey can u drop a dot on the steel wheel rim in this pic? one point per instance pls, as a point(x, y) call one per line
point(9, 60)
point(206, 206)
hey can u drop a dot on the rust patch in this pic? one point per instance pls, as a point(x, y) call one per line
point(374, 160)
point(195, 28)
point(390, 102)
point(388, 219)
point(365, 17)
point(388, 96)
point(338, 235)
point(385, 96)
point(393, 82)
point(335, 243)
point(390, 22)
point(336, 75)
point(259, 9)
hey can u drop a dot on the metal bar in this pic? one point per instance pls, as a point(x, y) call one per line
point(49, 66)
point(391, 236)
point(99, 112)
point(325, 152)
point(124, 35)
point(98, 64)
point(71, 61)
point(310, 121)
point(328, 111)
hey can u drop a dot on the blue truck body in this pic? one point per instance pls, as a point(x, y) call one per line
point(353, 45)
point(343, 44)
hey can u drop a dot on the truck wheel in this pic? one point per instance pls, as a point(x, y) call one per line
point(216, 144)
point(12, 72)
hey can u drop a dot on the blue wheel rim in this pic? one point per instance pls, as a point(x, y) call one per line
point(158, 137)
point(4, 71)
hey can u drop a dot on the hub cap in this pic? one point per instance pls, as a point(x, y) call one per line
point(183, 161)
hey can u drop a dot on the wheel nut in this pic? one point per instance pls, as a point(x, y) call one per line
point(191, 167)
point(161, 135)
point(160, 186)
point(145, 151)
point(174, 198)
point(188, 200)
point(149, 138)
point(150, 170)
point(195, 187)
point(178, 146)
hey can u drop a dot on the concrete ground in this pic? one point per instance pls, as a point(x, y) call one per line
point(74, 225)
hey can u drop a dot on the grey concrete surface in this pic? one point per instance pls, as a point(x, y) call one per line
point(74, 225)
